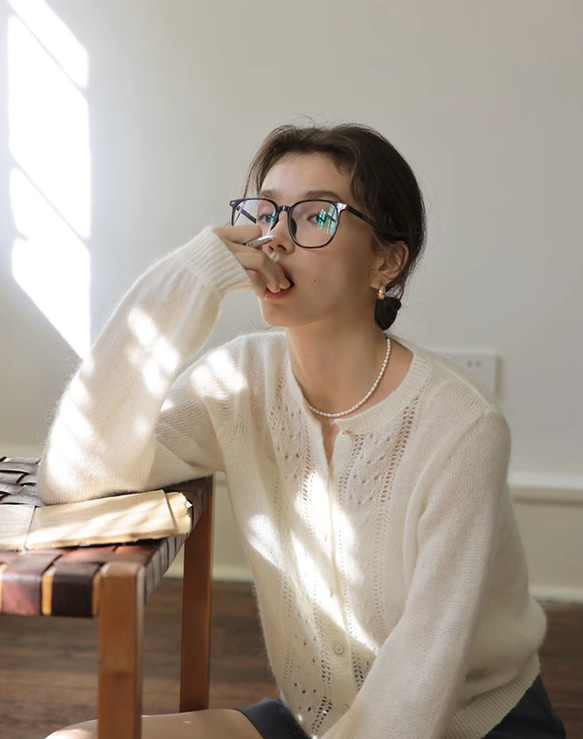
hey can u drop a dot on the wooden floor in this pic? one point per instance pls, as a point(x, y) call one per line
point(48, 666)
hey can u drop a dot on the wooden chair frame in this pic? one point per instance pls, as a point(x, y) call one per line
point(120, 636)
point(112, 584)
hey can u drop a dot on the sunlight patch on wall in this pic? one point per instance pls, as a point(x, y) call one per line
point(56, 37)
point(50, 263)
point(50, 180)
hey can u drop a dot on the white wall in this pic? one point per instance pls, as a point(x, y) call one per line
point(484, 99)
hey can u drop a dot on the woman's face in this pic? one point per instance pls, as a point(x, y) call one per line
point(336, 284)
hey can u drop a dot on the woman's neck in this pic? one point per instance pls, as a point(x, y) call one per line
point(335, 370)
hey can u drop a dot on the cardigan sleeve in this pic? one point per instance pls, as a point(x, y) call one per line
point(414, 684)
point(103, 438)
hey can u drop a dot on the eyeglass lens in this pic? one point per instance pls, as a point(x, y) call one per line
point(312, 222)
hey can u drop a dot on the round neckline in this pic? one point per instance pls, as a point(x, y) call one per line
point(386, 409)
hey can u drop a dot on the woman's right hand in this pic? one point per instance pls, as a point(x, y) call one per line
point(263, 271)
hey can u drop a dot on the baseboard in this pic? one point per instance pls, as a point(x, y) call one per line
point(20, 450)
point(549, 510)
point(221, 572)
point(551, 489)
point(557, 595)
point(231, 574)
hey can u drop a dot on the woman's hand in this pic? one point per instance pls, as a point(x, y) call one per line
point(263, 271)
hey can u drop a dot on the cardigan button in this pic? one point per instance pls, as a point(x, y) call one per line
point(339, 649)
point(345, 708)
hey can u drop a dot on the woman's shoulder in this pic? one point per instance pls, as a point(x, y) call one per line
point(449, 385)
point(451, 404)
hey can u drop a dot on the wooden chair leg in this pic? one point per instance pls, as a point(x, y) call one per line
point(196, 615)
point(120, 647)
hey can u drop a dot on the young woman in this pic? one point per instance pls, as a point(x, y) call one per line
point(367, 476)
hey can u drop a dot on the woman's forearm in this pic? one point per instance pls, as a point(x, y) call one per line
point(102, 440)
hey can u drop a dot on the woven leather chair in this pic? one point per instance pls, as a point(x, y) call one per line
point(112, 583)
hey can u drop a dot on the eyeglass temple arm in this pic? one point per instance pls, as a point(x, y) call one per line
point(350, 209)
point(235, 205)
point(366, 219)
point(248, 215)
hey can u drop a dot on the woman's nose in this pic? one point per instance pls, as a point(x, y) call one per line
point(280, 231)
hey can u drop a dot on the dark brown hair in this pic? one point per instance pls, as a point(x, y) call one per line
point(383, 186)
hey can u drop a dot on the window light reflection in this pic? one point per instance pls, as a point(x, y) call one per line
point(50, 263)
point(56, 37)
point(264, 539)
point(219, 377)
point(48, 127)
point(148, 335)
point(48, 136)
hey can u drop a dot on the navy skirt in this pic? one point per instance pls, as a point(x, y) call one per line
point(532, 718)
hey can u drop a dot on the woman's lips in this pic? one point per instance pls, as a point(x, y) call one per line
point(281, 294)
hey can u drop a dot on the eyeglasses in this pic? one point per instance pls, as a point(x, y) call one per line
point(311, 223)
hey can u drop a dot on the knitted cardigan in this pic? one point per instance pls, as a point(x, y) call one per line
point(391, 583)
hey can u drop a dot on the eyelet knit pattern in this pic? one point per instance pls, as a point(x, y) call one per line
point(391, 583)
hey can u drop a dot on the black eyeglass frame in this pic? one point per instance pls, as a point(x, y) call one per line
point(340, 207)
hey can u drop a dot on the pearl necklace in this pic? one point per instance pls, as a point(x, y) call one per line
point(366, 397)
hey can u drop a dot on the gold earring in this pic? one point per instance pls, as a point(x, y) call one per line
point(381, 293)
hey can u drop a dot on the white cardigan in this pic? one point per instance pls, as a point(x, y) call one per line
point(392, 584)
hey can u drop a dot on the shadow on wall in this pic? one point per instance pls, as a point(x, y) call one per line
point(36, 361)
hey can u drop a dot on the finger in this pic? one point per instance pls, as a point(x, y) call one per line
point(257, 284)
point(259, 265)
point(238, 234)
point(268, 271)
point(262, 270)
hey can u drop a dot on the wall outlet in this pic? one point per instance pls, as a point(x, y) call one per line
point(483, 365)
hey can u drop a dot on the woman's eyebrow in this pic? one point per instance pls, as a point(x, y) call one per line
point(328, 194)
point(266, 194)
point(309, 195)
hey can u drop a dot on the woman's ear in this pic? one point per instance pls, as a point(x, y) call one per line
point(392, 262)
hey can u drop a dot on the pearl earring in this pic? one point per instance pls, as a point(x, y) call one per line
point(381, 293)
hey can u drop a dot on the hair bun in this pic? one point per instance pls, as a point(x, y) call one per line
point(386, 311)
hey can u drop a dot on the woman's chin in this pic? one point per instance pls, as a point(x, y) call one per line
point(272, 318)
point(273, 314)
